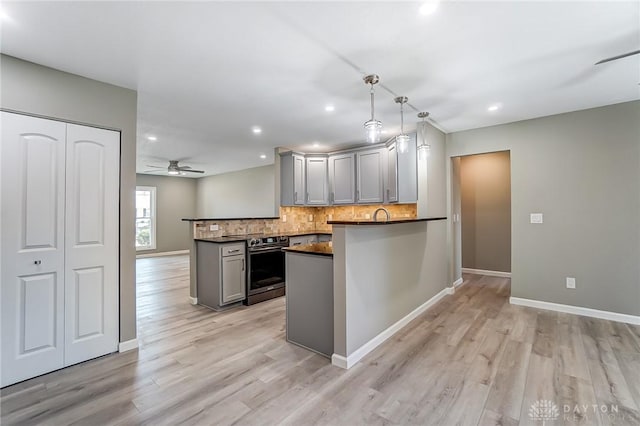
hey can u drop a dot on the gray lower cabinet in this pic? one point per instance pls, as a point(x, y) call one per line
point(310, 301)
point(370, 167)
point(221, 274)
point(233, 279)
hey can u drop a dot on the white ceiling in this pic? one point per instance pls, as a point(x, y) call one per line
point(206, 72)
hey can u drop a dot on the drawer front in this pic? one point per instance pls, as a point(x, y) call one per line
point(232, 249)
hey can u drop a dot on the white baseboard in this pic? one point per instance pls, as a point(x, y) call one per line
point(486, 272)
point(351, 360)
point(576, 310)
point(163, 253)
point(128, 345)
point(457, 283)
point(193, 300)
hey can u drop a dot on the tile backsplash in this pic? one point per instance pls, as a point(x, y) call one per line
point(299, 219)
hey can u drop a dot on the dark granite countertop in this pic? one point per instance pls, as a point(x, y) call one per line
point(220, 219)
point(382, 222)
point(321, 249)
point(244, 237)
point(222, 240)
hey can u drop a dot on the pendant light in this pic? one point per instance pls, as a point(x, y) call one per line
point(423, 148)
point(402, 140)
point(373, 127)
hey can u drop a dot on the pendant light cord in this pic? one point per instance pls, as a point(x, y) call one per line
point(372, 115)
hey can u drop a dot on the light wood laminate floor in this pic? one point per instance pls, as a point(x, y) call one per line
point(471, 359)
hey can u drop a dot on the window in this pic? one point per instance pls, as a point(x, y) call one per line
point(145, 218)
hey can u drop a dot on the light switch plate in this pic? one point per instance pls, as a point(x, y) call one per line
point(284, 217)
point(536, 218)
point(213, 227)
point(571, 282)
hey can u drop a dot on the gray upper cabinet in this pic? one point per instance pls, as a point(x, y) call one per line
point(407, 173)
point(292, 179)
point(392, 174)
point(369, 182)
point(342, 176)
point(317, 192)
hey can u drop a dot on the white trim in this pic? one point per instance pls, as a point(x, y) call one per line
point(357, 355)
point(486, 272)
point(163, 253)
point(339, 361)
point(193, 300)
point(128, 345)
point(457, 283)
point(152, 217)
point(576, 310)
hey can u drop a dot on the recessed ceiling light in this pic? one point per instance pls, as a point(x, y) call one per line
point(263, 156)
point(316, 144)
point(257, 130)
point(152, 138)
point(429, 7)
point(330, 108)
point(494, 107)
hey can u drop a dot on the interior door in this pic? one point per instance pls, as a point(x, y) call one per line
point(91, 265)
point(32, 235)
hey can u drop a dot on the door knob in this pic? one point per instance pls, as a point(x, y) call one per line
point(37, 262)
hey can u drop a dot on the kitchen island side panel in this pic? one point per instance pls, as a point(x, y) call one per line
point(309, 292)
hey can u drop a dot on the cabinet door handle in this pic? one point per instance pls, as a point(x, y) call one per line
point(243, 264)
point(357, 195)
point(234, 251)
point(295, 197)
point(307, 197)
point(37, 262)
point(333, 197)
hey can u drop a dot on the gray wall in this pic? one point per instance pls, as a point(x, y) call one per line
point(582, 171)
point(486, 211)
point(175, 200)
point(381, 274)
point(245, 193)
point(31, 88)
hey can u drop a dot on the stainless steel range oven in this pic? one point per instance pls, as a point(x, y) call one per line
point(265, 272)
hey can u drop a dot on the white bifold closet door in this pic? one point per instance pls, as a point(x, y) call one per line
point(59, 233)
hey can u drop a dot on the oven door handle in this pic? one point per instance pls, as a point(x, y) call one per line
point(266, 250)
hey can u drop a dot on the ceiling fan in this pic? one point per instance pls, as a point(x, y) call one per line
point(174, 169)
point(614, 58)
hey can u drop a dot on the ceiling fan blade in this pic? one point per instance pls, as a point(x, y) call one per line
point(613, 58)
point(193, 171)
point(184, 167)
point(156, 167)
point(152, 171)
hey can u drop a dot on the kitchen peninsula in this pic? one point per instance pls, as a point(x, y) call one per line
point(380, 275)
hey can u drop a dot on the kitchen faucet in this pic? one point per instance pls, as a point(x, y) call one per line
point(375, 214)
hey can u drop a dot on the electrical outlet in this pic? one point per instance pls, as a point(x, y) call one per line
point(213, 227)
point(571, 282)
point(536, 218)
point(310, 218)
point(284, 217)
